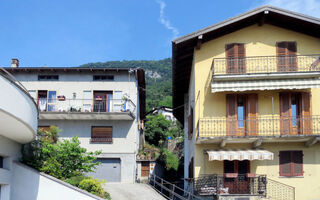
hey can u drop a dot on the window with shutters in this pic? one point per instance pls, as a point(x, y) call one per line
point(291, 163)
point(191, 166)
point(295, 113)
point(236, 61)
point(242, 113)
point(190, 124)
point(101, 134)
point(286, 56)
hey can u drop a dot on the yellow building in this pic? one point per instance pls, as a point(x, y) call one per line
point(248, 91)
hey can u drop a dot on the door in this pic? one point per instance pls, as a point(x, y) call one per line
point(145, 168)
point(42, 100)
point(109, 170)
point(52, 100)
point(101, 101)
point(239, 183)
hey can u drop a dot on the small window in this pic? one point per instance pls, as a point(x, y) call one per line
point(291, 163)
point(48, 77)
point(103, 77)
point(1, 162)
point(101, 134)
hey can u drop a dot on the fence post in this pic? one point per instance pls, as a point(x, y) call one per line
point(161, 185)
point(154, 180)
point(173, 187)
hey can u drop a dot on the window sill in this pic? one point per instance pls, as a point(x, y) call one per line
point(291, 177)
point(100, 141)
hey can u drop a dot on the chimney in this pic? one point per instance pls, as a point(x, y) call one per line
point(14, 62)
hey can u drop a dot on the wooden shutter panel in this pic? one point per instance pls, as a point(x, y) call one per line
point(101, 134)
point(286, 56)
point(281, 56)
point(284, 113)
point(230, 54)
point(306, 119)
point(252, 113)
point(232, 121)
point(145, 169)
point(241, 58)
point(292, 58)
point(285, 163)
point(297, 160)
point(190, 124)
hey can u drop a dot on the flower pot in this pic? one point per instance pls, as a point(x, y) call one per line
point(231, 175)
point(251, 175)
point(61, 98)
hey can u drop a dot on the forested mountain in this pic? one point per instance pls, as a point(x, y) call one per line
point(158, 78)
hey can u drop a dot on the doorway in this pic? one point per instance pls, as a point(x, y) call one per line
point(235, 176)
point(102, 101)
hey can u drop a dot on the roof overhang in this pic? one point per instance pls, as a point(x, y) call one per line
point(183, 47)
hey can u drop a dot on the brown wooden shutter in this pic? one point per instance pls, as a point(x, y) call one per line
point(285, 113)
point(297, 163)
point(286, 56)
point(306, 119)
point(232, 120)
point(235, 54)
point(190, 124)
point(101, 134)
point(191, 166)
point(145, 169)
point(252, 114)
point(285, 163)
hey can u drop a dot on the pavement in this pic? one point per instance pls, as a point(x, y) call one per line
point(132, 191)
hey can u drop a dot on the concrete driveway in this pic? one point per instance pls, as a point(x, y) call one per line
point(127, 191)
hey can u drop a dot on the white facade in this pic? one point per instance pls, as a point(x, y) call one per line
point(78, 88)
point(18, 122)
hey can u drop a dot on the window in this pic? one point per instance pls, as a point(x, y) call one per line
point(103, 77)
point(286, 56)
point(241, 114)
point(1, 162)
point(236, 61)
point(48, 77)
point(190, 124)
point(101, 134)
point(291, 163)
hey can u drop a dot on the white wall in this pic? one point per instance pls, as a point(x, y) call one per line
point(31, 185)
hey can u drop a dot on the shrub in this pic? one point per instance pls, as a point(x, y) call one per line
point(75, 181)
point(94, 187)
point(169, 160)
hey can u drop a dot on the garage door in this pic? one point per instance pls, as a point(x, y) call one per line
point(109, 169)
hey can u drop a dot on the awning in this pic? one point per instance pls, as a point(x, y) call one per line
point(271, 84)
point(239, 155)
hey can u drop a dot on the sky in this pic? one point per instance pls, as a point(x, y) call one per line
point(74, 32)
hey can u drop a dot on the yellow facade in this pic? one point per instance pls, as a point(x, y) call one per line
point(259, 41)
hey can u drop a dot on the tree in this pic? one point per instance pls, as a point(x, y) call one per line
point(61, 159)
point(156, 129)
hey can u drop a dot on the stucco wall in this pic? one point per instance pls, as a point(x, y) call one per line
point(31, 185)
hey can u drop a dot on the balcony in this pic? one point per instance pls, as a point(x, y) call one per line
point(230, 184)
point(86, 109)
point(265, 65)
point(260, 129)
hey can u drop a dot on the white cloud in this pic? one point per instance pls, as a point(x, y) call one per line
point(166, 22)
point(308, 7)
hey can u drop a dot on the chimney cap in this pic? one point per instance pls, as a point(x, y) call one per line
point(14, 62)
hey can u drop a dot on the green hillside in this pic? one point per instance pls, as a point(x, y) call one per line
point(158, 78)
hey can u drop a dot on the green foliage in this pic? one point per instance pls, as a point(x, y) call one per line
point(62, 159)
point(156, 129)
point(169, 160)
point(149, 152)
point(94, 187)
point(158, 90)
point(75, 181)
point(50, 136)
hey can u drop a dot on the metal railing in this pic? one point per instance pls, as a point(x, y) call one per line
point(169, 190)
point(237, 184)
point(265, 64)
point(279, 191)
point(85, 105)
point(260, 126)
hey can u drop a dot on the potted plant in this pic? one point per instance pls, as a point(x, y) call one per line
point(231, 175)
point(98, 98)
point(61, 98)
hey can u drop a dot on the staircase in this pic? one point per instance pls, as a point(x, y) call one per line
point(279, 191)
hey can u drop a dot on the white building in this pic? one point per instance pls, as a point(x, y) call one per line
point(18, 122)
point(101, 106)
point(167, 112)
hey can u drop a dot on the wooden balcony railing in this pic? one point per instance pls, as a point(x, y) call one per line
point(260, 126)
point(266, 64)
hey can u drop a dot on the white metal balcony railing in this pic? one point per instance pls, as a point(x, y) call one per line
point(85, 105)
point(266, 64)
point(260, 126)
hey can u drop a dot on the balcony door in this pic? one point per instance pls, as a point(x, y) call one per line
point(286, 56)
point(242, 113)
point(295, 113)
point(235, 176)
point(235, 58)
point(102, 101)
